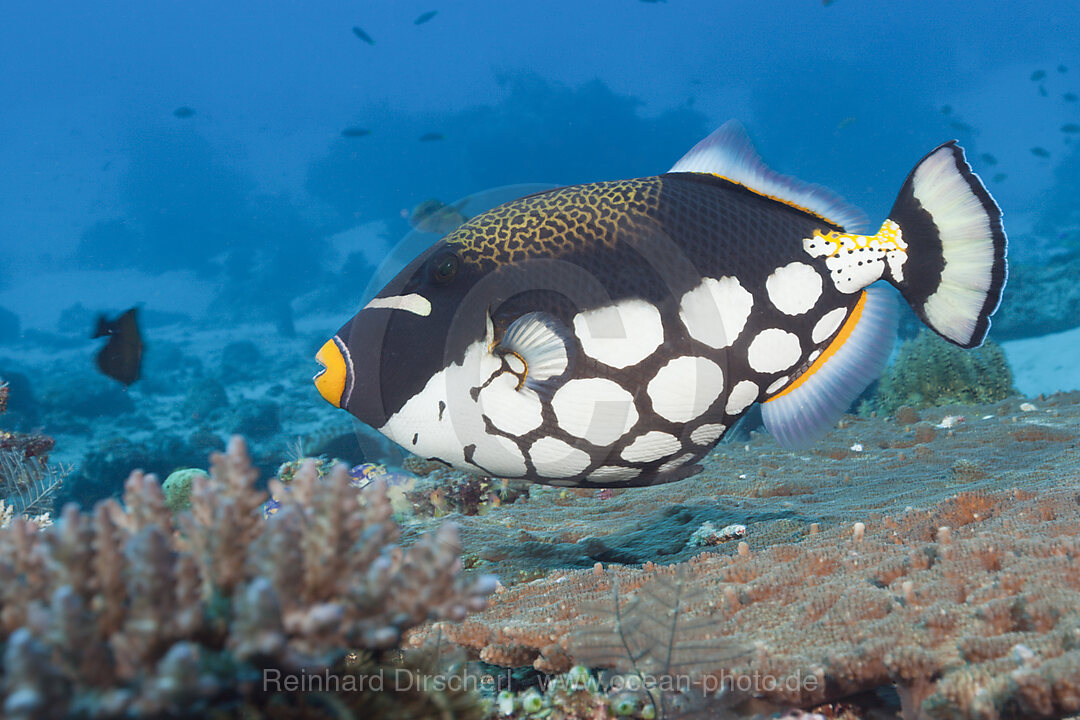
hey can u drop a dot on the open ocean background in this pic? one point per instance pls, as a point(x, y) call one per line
point(108, 198)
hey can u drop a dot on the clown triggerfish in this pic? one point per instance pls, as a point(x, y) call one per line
point(609, 334)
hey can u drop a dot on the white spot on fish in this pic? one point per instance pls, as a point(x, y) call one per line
point(776, 385)
point(685, 388)
point(828, 324)
point(620, 335)
point(414, 303)
point(707, 434)
point(609, 473)
point(653, 445)
point(499, 456)
point(554, 458)
point(716, 311)
point(794, 288)
point(773, 350)
point(595, 409)
point(742, 395)
point(509, 409)
point(672, 464)
point(516, 364)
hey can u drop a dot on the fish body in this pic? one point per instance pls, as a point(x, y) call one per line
point(425, 17)
point(432, 137)
point(609, 334)
point(355, 132)
point(121, 358)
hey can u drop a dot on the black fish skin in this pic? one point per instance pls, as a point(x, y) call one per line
point(121, 358)
point(656, 243)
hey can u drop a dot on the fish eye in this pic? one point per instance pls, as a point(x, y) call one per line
point(445, 269)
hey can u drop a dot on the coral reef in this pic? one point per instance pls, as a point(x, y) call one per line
point(446, 491)
point(28, 484)
point(929, 372)
point(970, 607)
point(130, 611)
point(844, 567)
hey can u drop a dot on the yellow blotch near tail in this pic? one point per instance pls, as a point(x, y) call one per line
point(887, 238)
point(838, 342)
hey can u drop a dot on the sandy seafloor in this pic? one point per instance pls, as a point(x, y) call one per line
point(865, 470)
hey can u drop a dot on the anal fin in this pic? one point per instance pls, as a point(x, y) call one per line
point(805, 411)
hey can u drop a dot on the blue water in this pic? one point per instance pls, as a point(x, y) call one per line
point(99, 173)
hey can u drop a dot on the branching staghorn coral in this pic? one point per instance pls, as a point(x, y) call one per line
point(130, 611)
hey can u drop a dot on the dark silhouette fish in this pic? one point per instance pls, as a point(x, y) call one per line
point(946, 109)
point(1070, 128)
point(355, 132)
point(988, 159)
point(1069, 97)
point(183, 112)
point(425, 17)
point(1040, 152)
point(359, 32)
point(1062, 69)
point(431, 137)
point(1038, 75)
point(435, 216)
point(121, 358)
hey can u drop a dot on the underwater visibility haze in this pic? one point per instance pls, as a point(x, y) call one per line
point(632, 358)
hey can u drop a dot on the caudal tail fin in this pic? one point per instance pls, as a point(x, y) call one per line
point(955, 267)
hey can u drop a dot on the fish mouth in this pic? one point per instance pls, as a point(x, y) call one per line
point(334, 380)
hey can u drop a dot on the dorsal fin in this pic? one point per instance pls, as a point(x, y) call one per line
point(728, 153)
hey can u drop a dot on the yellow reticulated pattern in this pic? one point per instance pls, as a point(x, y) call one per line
point(887, 238)
point(557, 222)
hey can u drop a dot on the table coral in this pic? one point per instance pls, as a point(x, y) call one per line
point(981, 620)
point(129, 611)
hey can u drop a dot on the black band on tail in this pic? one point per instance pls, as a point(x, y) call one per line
point(955, 269)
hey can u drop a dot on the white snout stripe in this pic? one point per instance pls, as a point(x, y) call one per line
point(416, 304)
